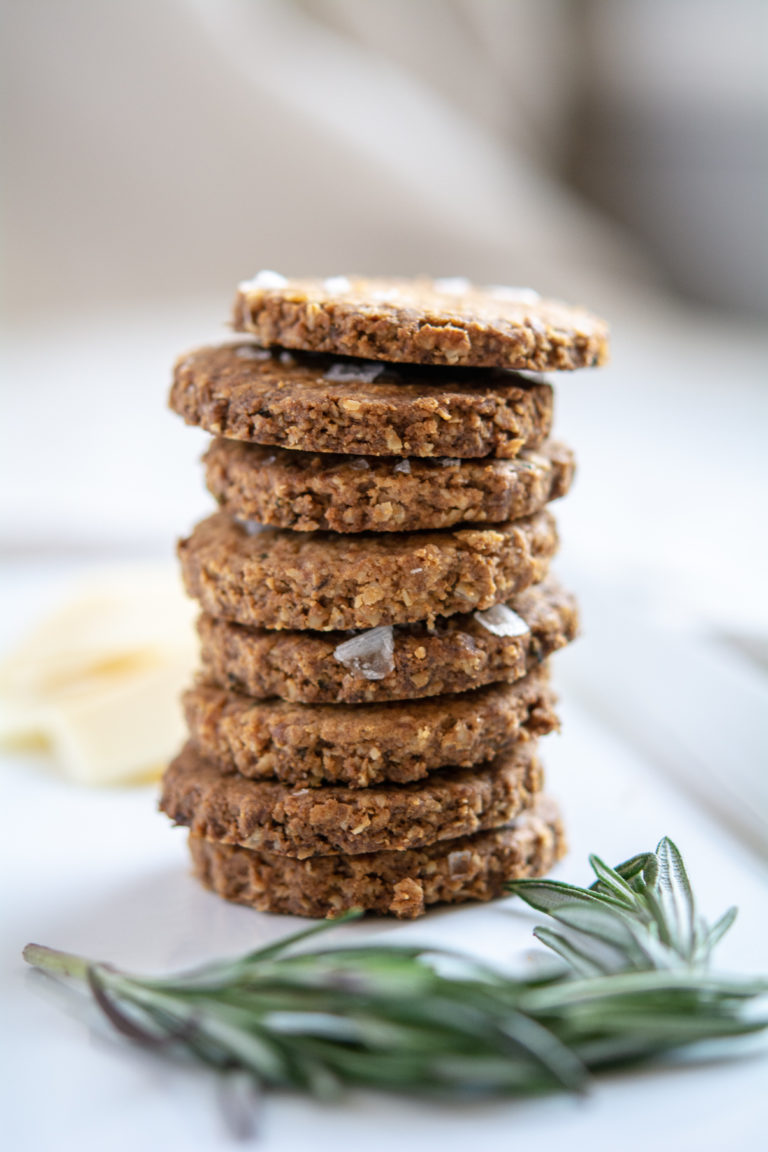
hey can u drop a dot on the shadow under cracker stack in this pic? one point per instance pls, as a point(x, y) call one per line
point(377, 603)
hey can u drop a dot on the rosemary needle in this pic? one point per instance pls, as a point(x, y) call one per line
point(632, 981)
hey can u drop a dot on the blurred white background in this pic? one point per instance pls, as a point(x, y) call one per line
point(156, 150)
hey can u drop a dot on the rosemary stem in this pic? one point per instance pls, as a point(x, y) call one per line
point(56, 962)
point(636, 983)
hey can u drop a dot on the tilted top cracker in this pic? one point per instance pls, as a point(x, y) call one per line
point(421, 321)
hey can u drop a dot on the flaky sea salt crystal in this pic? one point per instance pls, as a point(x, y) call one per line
point(502, 621)
point(266, 278)
point(450, 462)
point(336, 285)
point(533, 377)
point(250, 352)
point(385, 295)
point(403, 466)
point(459, 863)
point(251, 527)
point(359, 463)
point(365, 372)
point(452, 285)
point(370, 654)
point(515, 295)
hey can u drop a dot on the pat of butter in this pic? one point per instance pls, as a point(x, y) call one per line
point(126, 615)
point(97, 683)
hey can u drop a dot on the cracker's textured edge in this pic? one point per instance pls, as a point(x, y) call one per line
point(295, 407)
point(403, 884)
point(358, 745)
point(323, 581)
point(307, 492)
point(459, 655)
point(260, 814)
point(545, 335)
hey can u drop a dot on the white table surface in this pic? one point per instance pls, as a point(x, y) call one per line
point(101, 872)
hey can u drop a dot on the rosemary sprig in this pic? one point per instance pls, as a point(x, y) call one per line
point(631, 981)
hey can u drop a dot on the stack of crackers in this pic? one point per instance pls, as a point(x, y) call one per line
point(377, 603)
